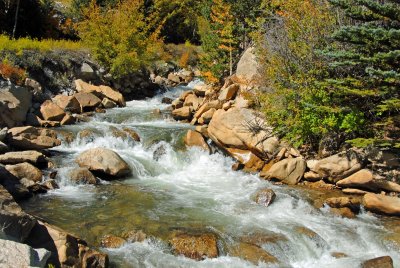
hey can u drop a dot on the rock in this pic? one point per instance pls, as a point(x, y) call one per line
point(86, 134)
point(15, 103)
point(192, 101)
point(35, 88)
point(67, 120)
point(174, 78)
point(67, 103)
point(133, 134)
point(338, 166)
point(159, 152)
point(380, 262)
point(184, 113)
point(3, 148)
point(215, 104)
point(200, 89)
point(100, 91)
point(203, 130)
point(312, 176)
point(110, 241)
point(265, 197)
point(176, 104)
point(252, 253)
point(251, 162)
point(194, 138)
point(25, 171)
point(343, 212)
point(167, 100)
point(248, 68)
point(87, 71)
point(242, 129)
point(207, 116)
point(87, 101)
point(33, 157)
point(195, 246)
point(67, 250)
point(382, 204)
point(82, 176)
point(229, 93)
point(51, 111)
point(341, 202)
point(339, 255)
point(288, 171)
point(135, 236)
point(354, 191)
point(108, 104)
point(3, 134)
point(50, 184)
point(15, 224)
point(15, 254)
point(31, 138)
point(104, 162)
point(364, 180)
point(227, 105)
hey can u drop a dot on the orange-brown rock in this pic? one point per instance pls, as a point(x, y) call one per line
point(51, 111)
point(25, 171)
point(195, 246)
point(252, 253)
point(194, 138)
point(87, 101)
point(100, 91)
point(67, 103)
point(110, 241)
point(82, 176)
point(251, 162)
point(382, 204)
point(288, 171)
point(380, 262)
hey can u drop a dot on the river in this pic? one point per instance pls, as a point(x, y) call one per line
point(177, 188)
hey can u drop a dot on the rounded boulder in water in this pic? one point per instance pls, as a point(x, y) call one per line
point(104, 163)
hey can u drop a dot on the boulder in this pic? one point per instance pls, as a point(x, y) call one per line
point(195, 246)
point(229, 93)
point(15, 103)
point(67, 250)
point(193, 101)
point(133, 134)
point(87, 71)
point(31, 138)
point(108, 104)
point(364, 180)
point(100, 91)
point(194, 138)
point(176, 104)
point(67, 120)
point(288, 171)
point(207, 116)
point(215, 104)
point(33, 157)
point(110, 241)
point(87, 101)
point(174, 78)
point(382, 204)
point(250, 161)
point(380, 262)
point(341, 202)
point(82, 176)
point(248, 68)
point(264, 197)
point(252, 253)
point(338, 166)
point(184, 113)
point(242, 129)
point(67, 103)
point(200, 89)
point(51, 111)
point(15, 224)
point(25, 171)
point(104, 162)
point(15, 254)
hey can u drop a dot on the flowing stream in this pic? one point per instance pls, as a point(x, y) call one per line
point(177, 188)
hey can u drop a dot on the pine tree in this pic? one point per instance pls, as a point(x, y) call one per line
point(365, 66)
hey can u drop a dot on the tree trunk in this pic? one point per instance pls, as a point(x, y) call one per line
point(15, 20)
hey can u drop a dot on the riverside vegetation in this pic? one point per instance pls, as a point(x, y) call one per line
point(302, 94)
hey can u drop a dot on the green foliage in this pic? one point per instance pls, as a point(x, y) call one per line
point(21, 44)
point(122, 38)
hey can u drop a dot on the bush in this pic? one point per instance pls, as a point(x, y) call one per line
point(15, 74)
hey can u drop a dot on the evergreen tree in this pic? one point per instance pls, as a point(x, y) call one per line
point(365, 67)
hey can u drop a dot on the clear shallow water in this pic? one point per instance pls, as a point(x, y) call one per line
point(191, 189)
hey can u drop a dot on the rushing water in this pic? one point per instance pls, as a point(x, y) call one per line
point(191, 189)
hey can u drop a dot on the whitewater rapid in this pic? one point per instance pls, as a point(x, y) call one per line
point(188, 188)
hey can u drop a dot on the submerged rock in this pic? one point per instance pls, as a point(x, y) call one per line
point(110, 241)
point(252, 253)
point(103, 162)
point(195, 246)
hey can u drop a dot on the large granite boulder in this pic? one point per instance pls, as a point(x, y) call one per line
point(194, 138)
point(288, 171)
point(15, 254)
point(27, 174)
point(33, 157)
point(31, 138)
point(67, 103)
point(100, 91)
point(248, 68)
point(51, 111)
point(104, 162)
point(15, 103)
point(87, 101)
point(242, 128)
point(382, 204)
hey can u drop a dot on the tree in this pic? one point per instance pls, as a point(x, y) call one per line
point(122, 38)
point(365, 67)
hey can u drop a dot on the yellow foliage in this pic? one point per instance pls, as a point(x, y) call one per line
point(18, 45)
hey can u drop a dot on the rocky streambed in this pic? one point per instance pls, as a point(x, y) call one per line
point(132, 185)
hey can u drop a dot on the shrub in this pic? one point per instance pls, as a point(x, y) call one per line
point(15, 74)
